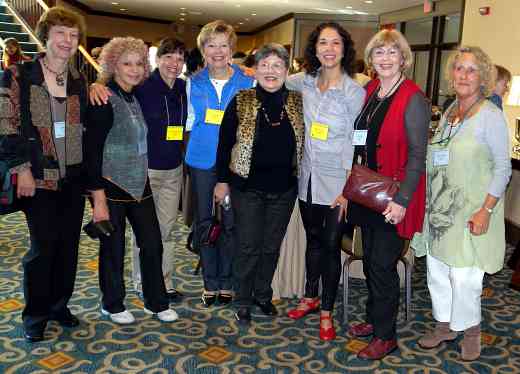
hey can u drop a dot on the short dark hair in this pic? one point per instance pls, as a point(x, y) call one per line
point(59, 16)
point(359, 66)
point(349, 53)
point(171, 45)
point(194, 62)
point(239, 54)
point(502, 73)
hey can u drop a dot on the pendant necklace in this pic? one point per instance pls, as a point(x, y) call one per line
point(268, 120)
point(60, 77)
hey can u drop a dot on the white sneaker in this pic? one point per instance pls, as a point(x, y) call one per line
point(167, 315)
point(121, 318)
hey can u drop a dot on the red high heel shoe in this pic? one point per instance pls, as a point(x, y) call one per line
point(300, 312)
point(327, 333)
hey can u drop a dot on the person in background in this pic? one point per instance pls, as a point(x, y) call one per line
point(393, 127)
point(297, 65)
point(194, 63)
point(117, 166)
point(501, 86)
point(261, 170)
point(95, 52)
point(163, 100)
point(331, 102)
point(468, 168)
point(209, 93)
point(13, 53)
point(238, 58)
point(360, 75)
point(41, 121)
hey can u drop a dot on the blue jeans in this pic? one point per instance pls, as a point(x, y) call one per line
point(216, 259)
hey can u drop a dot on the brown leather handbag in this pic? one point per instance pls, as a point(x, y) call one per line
point(369, 188)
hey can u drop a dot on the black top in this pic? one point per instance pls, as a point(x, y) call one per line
point(100, 119)
point(416, 126)
point(272, 168)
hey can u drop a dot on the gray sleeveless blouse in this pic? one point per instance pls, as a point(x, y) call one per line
point(125, 161)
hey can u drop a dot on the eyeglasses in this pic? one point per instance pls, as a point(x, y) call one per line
point(265, 67)
point(390, 52)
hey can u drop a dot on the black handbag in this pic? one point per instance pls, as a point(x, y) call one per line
point(9, 203)
point(215, 228)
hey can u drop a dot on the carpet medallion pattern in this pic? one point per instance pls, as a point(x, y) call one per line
point(209, 341)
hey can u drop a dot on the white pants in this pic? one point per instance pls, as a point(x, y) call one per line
point(455, 293)
point(166, 189)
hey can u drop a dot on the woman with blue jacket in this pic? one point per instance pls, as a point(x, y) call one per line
point(209, 93)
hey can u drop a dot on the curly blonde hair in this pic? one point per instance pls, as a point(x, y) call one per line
point(486, 69)
point(213, 28)
point(114, 49)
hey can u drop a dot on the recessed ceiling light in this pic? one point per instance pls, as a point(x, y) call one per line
point(247, 19)
point(349, 7)
point(368, 1)
point(183, 8)
point(123, 9)
point(253, 14)
point(181, 19)
point(238, 5)
point(241, 23)
point(182, 14)
point(115, 3)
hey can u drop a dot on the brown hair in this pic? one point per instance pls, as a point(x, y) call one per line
point(503, 74)
point(59, 16)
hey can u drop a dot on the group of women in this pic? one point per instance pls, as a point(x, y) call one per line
point(261, 146)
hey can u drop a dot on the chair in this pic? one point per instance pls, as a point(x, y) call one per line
point(354, 251)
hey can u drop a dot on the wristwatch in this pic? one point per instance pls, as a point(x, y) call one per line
point(489, 210)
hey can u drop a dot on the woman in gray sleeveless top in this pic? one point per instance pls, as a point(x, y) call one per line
point(117, 163)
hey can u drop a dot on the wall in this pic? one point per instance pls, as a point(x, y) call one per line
point(281, 33)
point(498, 34)
point(442, 7)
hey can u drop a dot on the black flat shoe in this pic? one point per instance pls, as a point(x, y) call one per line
point(243, 316)
point(224, 298)
point(174, 295)
point(267, 308)
point(208, 300)
point(34, 337)
point(66, 319)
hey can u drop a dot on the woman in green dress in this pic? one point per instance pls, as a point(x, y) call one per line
point(468, 168)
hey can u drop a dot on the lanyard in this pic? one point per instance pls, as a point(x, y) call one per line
point(444, 142)
point(168, 111)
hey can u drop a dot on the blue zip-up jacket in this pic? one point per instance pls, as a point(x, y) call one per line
point(202, 147)
point(158, 102)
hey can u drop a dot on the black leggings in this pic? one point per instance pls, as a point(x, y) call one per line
point(323, 253)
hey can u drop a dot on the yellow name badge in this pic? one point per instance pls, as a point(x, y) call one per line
point(174, 132)
point(319, 131)
point(214, 116)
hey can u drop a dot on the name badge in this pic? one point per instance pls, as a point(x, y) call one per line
point(319, 131)
point(359, 137)
point(214, 116)
point(59, 129)
point(174, 132)
point(441, 157)
point(142, 148)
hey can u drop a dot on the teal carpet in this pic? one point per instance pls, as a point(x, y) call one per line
point(209, 341)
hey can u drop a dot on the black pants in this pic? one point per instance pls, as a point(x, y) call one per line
point(381, 251)
point(323, 253)
point(54, 219)
point(143, 219)
point(261, 222)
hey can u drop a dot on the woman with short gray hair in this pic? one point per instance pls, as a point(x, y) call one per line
point(259, 150)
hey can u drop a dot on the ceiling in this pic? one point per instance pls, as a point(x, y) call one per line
point(244, 15)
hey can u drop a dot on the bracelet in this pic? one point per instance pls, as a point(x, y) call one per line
point(489, 210)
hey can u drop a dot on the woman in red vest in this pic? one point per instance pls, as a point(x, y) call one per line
point(390, 137)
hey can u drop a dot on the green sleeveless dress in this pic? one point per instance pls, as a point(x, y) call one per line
point(455, 190)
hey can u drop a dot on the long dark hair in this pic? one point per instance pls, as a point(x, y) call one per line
point(349, 53)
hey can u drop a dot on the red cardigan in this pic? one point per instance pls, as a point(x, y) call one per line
point(392, 154)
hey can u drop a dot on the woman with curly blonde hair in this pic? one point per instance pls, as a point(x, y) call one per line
point(117, 164)
point(468, 168)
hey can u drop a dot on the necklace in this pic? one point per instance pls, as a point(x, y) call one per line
point(60, 77)
point(381, 100)
point(274, 124)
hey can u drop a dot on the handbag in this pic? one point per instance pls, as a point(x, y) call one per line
point(369, 188)
point(215, 228)
point(8, 200)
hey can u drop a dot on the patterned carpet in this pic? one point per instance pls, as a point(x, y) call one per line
point(209, 341)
